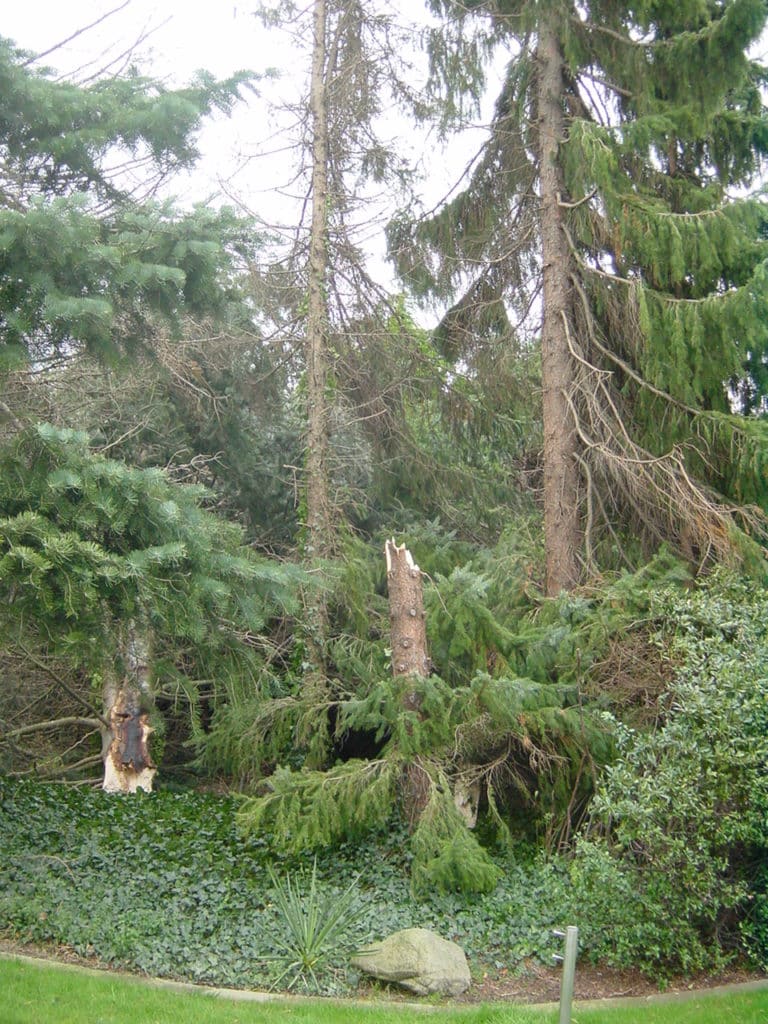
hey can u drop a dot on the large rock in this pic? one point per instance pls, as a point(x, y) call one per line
point(418, 960)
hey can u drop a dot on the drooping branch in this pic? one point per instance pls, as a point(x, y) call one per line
point(665, 498)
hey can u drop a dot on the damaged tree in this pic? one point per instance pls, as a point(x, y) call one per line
point(410, 659)
point(408, 631)
point(128, 764)
point(104, 568)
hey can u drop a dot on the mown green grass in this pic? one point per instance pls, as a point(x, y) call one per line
point(32, 992)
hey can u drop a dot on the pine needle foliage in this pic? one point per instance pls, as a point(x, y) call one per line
point(446, 855)
point(504, 715)
point(311, 809)
point(86, 261)
point(89, 544)
point(663, 281)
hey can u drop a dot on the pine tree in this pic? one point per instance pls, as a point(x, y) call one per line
point(126, 582)
point(87, 258)
point(616, 183)
point(319, 292)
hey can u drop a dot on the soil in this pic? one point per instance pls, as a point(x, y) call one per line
point(534, 983)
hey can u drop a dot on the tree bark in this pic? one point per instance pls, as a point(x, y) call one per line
point(562, 530)
point(410, 658)
point(128, 764)
point(319, 531)
point(408, 629)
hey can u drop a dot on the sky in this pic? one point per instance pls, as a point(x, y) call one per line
point(181, 37)
point(174, 39)
point(244, 157)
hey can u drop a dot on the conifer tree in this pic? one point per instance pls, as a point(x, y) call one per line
point(321, 297)
point(617, 184)
point(117, 582)
point(87, 257)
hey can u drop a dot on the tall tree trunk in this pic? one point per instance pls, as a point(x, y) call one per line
point(410, 658)
point(128, 764)
point(562, 532)
point(319, 531)
point(313, 732)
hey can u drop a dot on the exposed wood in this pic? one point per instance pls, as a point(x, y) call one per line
point(408, 629)
point(128, 764)
point(410, 658)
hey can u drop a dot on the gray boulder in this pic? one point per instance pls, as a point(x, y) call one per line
point(418, 960)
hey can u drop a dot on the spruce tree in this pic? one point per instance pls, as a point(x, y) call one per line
point(321, 299)
point(88, 258)
point(117, 581)
point(618, 184)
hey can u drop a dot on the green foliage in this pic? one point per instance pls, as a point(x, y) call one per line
point(678, 825)
point(82, 263)
point(446, 856)
point(88, 544)
point(316, 926)
point(659, 164)
point(529, 739)
point(98, 995)
point(196, 901)
point(310, 809)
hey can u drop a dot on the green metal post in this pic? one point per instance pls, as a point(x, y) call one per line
point(569, 972)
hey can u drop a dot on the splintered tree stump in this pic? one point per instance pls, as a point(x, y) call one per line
point(408, 632)
point(128, 764)
point(408, 640)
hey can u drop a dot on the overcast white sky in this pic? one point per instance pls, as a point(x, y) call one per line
point(245, 153)
point(182, 36)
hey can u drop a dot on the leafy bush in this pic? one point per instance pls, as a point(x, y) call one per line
point(665, 870)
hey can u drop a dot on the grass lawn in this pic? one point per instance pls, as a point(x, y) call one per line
point(31, 993)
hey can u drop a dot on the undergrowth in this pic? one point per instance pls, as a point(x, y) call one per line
point(165, 884)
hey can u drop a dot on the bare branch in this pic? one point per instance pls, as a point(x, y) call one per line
point(76, 34)
point(54, 723)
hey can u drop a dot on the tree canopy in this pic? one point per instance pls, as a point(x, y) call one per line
point(87, 256)
point(618, 192)
point(567, 452)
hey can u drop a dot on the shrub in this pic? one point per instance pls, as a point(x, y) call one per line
point(663, 870)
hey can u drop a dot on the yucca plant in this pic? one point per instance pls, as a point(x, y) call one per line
point(317, 927)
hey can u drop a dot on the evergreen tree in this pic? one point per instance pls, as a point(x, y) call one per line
point(87, 258)
point(615, 183)
point(319, 293)
point(124, 580)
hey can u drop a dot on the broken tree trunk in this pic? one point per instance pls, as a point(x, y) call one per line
point(128, 764)
point(410, 658)
point(408, 629)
